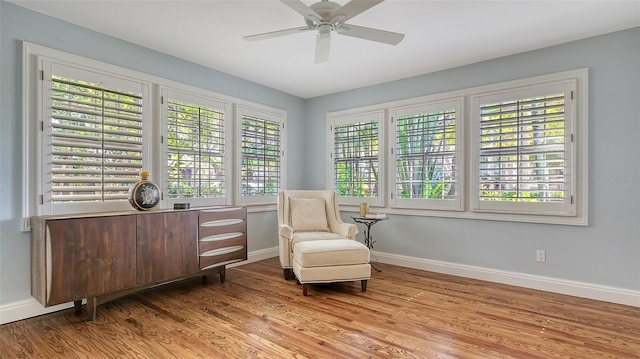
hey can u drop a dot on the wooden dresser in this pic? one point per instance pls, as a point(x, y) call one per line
point(103, 256)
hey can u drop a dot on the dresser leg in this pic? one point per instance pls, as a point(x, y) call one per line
point(223, 274)
point(92, 306)
point(77, 306)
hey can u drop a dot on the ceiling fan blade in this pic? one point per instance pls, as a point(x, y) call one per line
point(367, 33)
point(323, 45)
point(302, 9)
point(354, 8)
point(268, 35)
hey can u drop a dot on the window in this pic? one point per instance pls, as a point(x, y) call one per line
point(261, 155)
point(90, 128)
point(92, 138)
point(196, 149)
point(523, 150)
point(355, 145)
point(511, 151)
point(427, 156)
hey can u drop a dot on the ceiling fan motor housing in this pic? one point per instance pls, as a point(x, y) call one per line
point(325, 9)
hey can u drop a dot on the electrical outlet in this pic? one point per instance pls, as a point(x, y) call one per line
point(541, 256)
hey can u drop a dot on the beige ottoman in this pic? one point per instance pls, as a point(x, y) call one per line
point(331, 260)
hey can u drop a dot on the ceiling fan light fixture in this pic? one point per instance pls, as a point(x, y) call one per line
point(324, 29)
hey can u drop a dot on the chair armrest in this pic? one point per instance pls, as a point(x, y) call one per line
point(285, 231)
point(349, 230)
point(285, 234)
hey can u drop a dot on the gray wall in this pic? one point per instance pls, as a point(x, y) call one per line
point(18, 24)
point(607, 252)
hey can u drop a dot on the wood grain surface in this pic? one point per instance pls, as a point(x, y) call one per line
point(404, 313)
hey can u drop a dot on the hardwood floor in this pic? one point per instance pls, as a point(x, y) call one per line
point(404, 313)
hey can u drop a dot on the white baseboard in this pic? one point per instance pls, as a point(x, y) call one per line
point(32, 308)
point(549, 284)
point(26, 309)
point(258, 255)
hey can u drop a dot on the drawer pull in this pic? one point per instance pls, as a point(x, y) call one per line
point(222, 237)
point(221, 264)
point(225, 209)
point(225, 250)
point(222, 222)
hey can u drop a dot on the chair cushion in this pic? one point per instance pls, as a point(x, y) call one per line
point(314, 236)
point(331, 274)
point(308, 215)
point(331, 252)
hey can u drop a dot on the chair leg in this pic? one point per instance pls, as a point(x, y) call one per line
point(304, 289)
point(288, 273)
point(364, 285)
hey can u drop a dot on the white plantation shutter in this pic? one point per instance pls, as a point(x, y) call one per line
point(197, 159)
point(427, 155)
point(93, 137)
point(356, 153)
point(524, 150)
point(356, 156)
point(261, 165)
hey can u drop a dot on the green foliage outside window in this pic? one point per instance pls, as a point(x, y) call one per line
point(425, 156)
point(195, 151)
point(356, 164)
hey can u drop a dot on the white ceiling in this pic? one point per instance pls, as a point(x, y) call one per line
point(439, 35)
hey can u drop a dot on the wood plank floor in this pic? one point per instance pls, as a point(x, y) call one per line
point(405, 313)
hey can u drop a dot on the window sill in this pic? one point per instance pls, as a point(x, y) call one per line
point(505, 217)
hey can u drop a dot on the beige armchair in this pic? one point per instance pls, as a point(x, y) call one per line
point(306, 215)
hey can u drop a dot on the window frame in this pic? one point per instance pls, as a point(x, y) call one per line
point(91, 129)
point(264, 113)
point(568, 208)
point(32, 123)
point(456, 204)
point(579, 157)
point(36, 200)
point(202, 98)
point(352, 117)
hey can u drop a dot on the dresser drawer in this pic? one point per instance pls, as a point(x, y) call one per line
point(222, 256)
point(217, 214)
point(222, 236)
point(218, 221)
point(222, 240)
point(223, 226)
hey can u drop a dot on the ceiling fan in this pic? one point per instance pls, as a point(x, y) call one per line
point(327, 16)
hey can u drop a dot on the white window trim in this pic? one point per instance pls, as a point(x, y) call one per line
point(580, 152)
point(577, 116)
point(346, 117)
point(456, 204)
point(267, 113)
point(201, 97)
point(32, 113)
point(32, 105)
point(565, 209)
point(46, 66)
